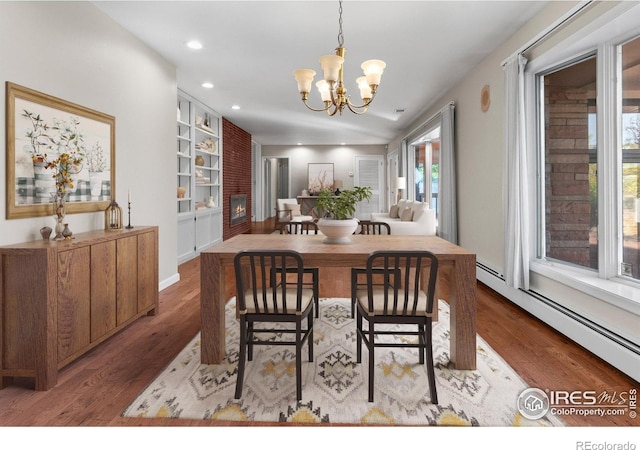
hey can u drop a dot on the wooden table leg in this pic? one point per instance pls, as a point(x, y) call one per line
point(463, 304)
point(212, 304)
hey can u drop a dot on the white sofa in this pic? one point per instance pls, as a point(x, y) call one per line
point(413, 218)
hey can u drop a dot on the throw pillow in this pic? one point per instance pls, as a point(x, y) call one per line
point(293, 207)
point(418, 211)
point(407, 214)
point(393, 212)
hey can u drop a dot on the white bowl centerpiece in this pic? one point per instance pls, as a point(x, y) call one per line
point(337, 222)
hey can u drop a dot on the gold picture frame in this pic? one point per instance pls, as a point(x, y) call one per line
point(38, 123)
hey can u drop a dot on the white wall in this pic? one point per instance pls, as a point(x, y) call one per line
point(342, 157)
point(72, 51)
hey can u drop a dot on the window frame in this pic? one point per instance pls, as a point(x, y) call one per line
point(541, 163)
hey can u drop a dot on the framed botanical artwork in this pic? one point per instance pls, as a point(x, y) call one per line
point(45, 134)
point(320, 177)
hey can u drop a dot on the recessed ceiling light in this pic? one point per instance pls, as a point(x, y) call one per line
point(343, 143)
point(207, 85)
point(235, 107)
point(299, 143)
point(195, 45)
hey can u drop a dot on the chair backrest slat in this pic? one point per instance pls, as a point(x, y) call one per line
point(270, 289)
point(406, 276)
point(374, 228)
point(306, 227)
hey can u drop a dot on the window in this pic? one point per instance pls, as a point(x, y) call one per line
point(590, 185)
point(426, 164)
point(570, 163)
point(630, 172)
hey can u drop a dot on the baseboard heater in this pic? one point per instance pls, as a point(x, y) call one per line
point(586, 322)
point(499, 286)
point(489, 270)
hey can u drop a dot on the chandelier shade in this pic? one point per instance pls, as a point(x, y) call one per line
point(331, 65)
point(331, 87)
point(304, 77)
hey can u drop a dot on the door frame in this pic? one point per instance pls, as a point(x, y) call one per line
point(393, 172)
point(268, 180)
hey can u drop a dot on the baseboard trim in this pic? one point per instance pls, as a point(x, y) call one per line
point(617, 351)
point(169, 281)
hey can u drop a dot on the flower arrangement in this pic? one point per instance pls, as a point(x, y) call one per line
point(62, 167)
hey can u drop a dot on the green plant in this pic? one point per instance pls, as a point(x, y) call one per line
point(342, 206)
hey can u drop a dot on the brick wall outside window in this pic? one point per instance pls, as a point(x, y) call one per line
point(567, 201)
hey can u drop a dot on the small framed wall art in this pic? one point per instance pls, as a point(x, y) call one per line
point(320, 177)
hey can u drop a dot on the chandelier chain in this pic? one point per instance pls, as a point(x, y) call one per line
point(340, 35)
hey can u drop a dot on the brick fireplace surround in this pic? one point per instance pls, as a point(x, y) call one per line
point(236, 175)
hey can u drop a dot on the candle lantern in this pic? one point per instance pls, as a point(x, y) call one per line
point(113, 217)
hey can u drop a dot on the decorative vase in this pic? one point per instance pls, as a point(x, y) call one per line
point(181, 191)
point(59, 214)
point(66, 232)
point(337, 231)
point(211, 203)
point(45, 232)
point(199, 160)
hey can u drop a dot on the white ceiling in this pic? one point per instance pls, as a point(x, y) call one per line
point(251, 49)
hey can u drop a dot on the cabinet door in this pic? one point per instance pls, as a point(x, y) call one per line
point(74, 298)
point(103, 289)
point(186, 238)
point(127, 278)
point(204, 231)
point(147, 271)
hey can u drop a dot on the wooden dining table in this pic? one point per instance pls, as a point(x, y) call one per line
point(458, 263)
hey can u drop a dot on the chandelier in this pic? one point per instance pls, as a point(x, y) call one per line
point(332, 90)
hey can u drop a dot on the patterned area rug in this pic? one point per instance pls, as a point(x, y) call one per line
point(334, 385)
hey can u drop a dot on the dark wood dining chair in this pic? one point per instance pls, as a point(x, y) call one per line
point(306, 227)
point(399, 288)
point(367, 227)
point(272, 297)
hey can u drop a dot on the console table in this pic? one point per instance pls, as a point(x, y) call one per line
point(308, 205)
point(59, 299)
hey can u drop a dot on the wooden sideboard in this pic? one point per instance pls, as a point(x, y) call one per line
point(59, 299)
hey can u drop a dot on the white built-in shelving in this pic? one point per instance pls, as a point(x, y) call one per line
point(199, 177)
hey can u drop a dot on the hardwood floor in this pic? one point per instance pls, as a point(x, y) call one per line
point(95, 389)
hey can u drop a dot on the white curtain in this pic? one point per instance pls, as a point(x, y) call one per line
point(448, 214)
point(516, 182)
